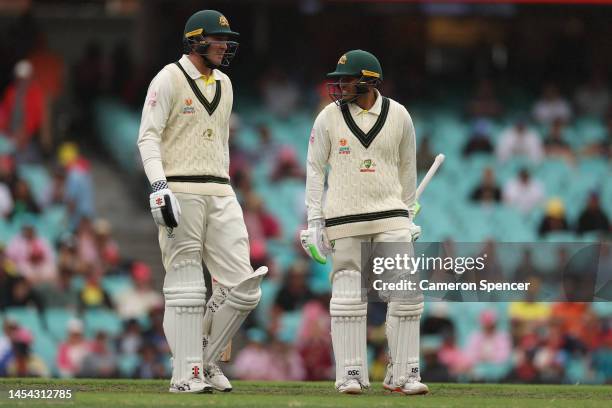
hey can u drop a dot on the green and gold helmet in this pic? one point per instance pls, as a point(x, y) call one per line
point(354, 64)
point(206, 23)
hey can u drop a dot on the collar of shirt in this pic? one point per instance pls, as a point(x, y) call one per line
point(375, 109)
point(193, 72)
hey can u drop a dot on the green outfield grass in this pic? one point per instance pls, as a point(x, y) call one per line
point(153, 393)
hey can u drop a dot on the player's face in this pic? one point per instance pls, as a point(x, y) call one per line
point(348, 86)
point(217, 48)
point(344, 90)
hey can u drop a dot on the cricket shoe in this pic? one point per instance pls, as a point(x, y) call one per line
point(193, 386)
point(351, 386)
point(406, 385)
point(215, 377)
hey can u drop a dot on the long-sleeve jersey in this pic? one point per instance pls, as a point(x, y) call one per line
point(372, 168)
point(183, 137)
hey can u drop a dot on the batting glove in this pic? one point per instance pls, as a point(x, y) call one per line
point(314, 241)
point(165, 208)
point(415, 231)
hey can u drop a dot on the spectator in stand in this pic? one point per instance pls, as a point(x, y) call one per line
point(8, 179)
point(254, 356)
point(489, 345)
point(33, 256)
point(130, 341)
point(8, 171)
point(549, 358)
point(23, 115)
point(142, 298)
point(92, 294)
point(519, 140)
point(487, 191)
point(9, 330)
point(107, 248)
point(452, 356)
point(49, 68)
point(21, 294)
point(72, 352)
point(151, 364)
point(260, 225)
point(79, 193)
point(101, 361)
point(295, 291)
point(480, 139)
point(554, 218)
point(551, 106)
point(593, 217)
point(68, 258)
point(61, 293)
point(484, 103)
point(267, 148)
point(523, 193)
point(155, 335)
point(23, 201)
point(56, 191)
point(555, 145)
point(593, 98)
point(24, 363)
point(87, 248)
point(314, 342)
point(287, 166)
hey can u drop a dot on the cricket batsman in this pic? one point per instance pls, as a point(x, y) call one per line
point(368, 141)
point(183, 142)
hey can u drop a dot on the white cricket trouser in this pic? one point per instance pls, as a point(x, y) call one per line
point(211, 228)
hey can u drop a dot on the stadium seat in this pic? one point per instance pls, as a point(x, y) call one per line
point(46, 348)
point(115, 284)
point(127, 364)
point(57, 322)
point(27, 317)
point(100, 319)
point(289, 326)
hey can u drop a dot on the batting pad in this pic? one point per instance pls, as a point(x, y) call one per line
point(185, 295)
point(348, 327)
point(403, 328)
point(223, 322)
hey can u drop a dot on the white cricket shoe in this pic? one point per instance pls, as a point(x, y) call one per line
point(193, 386)
point(410, 385)
point(350, 386)
point(216, 378)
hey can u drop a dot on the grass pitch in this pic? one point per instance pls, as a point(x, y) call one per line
point(154, 393)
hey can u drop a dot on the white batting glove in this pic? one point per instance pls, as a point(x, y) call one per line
point(165, 207)
point(415, 231)
point(314, 241)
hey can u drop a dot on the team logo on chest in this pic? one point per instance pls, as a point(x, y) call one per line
point(188, 109)
point(208, 135)
point(368, 166)
point(344, 148)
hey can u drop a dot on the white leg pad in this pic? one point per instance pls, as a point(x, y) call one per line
point(403, 328)
point(185, 295)
point(348, 328)
point(225, 314)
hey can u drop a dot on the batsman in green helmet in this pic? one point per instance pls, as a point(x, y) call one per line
point(364, 144)
point(184, 144)
point(207, 33)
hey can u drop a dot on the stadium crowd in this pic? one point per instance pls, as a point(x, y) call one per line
point(72, 305)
